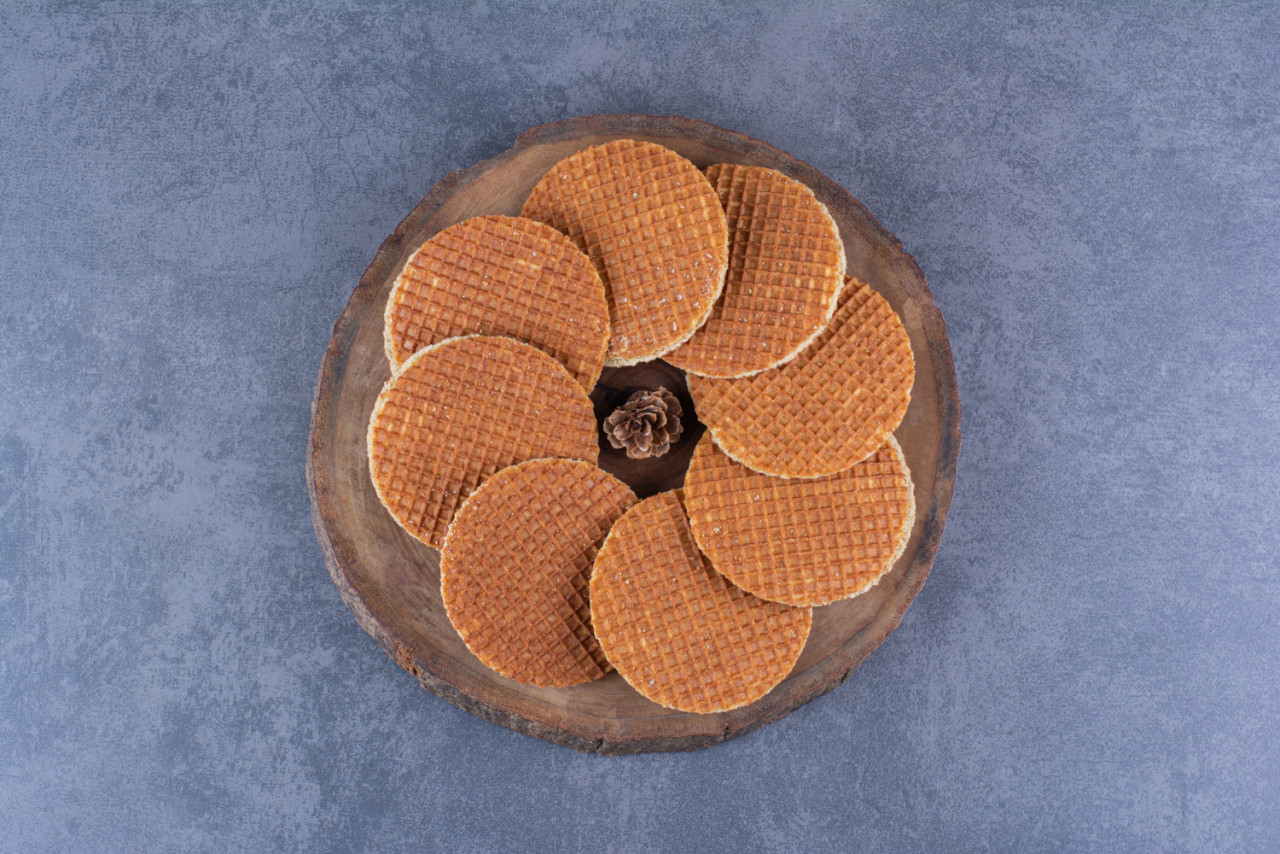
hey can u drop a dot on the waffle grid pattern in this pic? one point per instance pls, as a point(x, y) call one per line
point(800, 541)
point(461, 410)
point(516, 565)
point(654, 228)
point(786, 270)
point(825, 410)
point(499, 275)
point(676, 630)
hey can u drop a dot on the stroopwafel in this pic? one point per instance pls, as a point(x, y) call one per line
point(653, 226)
point(796, 540)
point(676, 630)
point(516, 565)
point(501, 275)
point(460, 410)
point(786, 270)
point(828, 408)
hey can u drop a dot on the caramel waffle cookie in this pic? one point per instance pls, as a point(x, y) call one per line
point(501, 275)
point(801, 541)
point(677, 630)
point(462, 409)
point(828, 408)
point(786, 270)
point(516, 565)
point(653, 226)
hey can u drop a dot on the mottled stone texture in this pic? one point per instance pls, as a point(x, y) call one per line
point(189, 194)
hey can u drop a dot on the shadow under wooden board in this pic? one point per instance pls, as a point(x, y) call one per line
point(392, 582)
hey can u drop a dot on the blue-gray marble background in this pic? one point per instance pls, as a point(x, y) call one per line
point(188, 194)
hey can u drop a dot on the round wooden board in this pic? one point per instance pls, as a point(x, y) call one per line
point(392, 582)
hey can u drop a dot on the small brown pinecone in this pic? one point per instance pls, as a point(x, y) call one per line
point(646, 425)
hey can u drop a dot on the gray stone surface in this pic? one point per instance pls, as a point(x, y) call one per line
point(188, 196)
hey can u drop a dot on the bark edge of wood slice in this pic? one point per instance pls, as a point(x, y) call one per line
point(391, 582)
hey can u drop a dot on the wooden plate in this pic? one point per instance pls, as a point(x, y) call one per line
point(392, 582)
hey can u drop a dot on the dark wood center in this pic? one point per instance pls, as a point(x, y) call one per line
point(653, 475)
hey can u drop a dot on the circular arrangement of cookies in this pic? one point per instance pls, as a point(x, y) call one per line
point(485, 444)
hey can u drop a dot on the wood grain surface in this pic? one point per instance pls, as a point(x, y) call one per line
point(391, 582)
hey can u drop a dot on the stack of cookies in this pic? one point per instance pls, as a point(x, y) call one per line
point(484, 443)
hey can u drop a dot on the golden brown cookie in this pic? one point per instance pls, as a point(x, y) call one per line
point(653, 226)
point(460, 410)
point(676, 630)
point(786, 270)
point(516, 565)
point(796, 540)
point(501, 275)
point(829, 407)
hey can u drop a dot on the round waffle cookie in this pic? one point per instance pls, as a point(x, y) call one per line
point(460, 410)
point(829, 407)
point(516, 564)
point(676, 630)
point(786, 270)
point(653, 226)
point(801, 541)
point(501, 275)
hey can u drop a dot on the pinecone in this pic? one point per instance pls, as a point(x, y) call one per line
point(646, 425)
